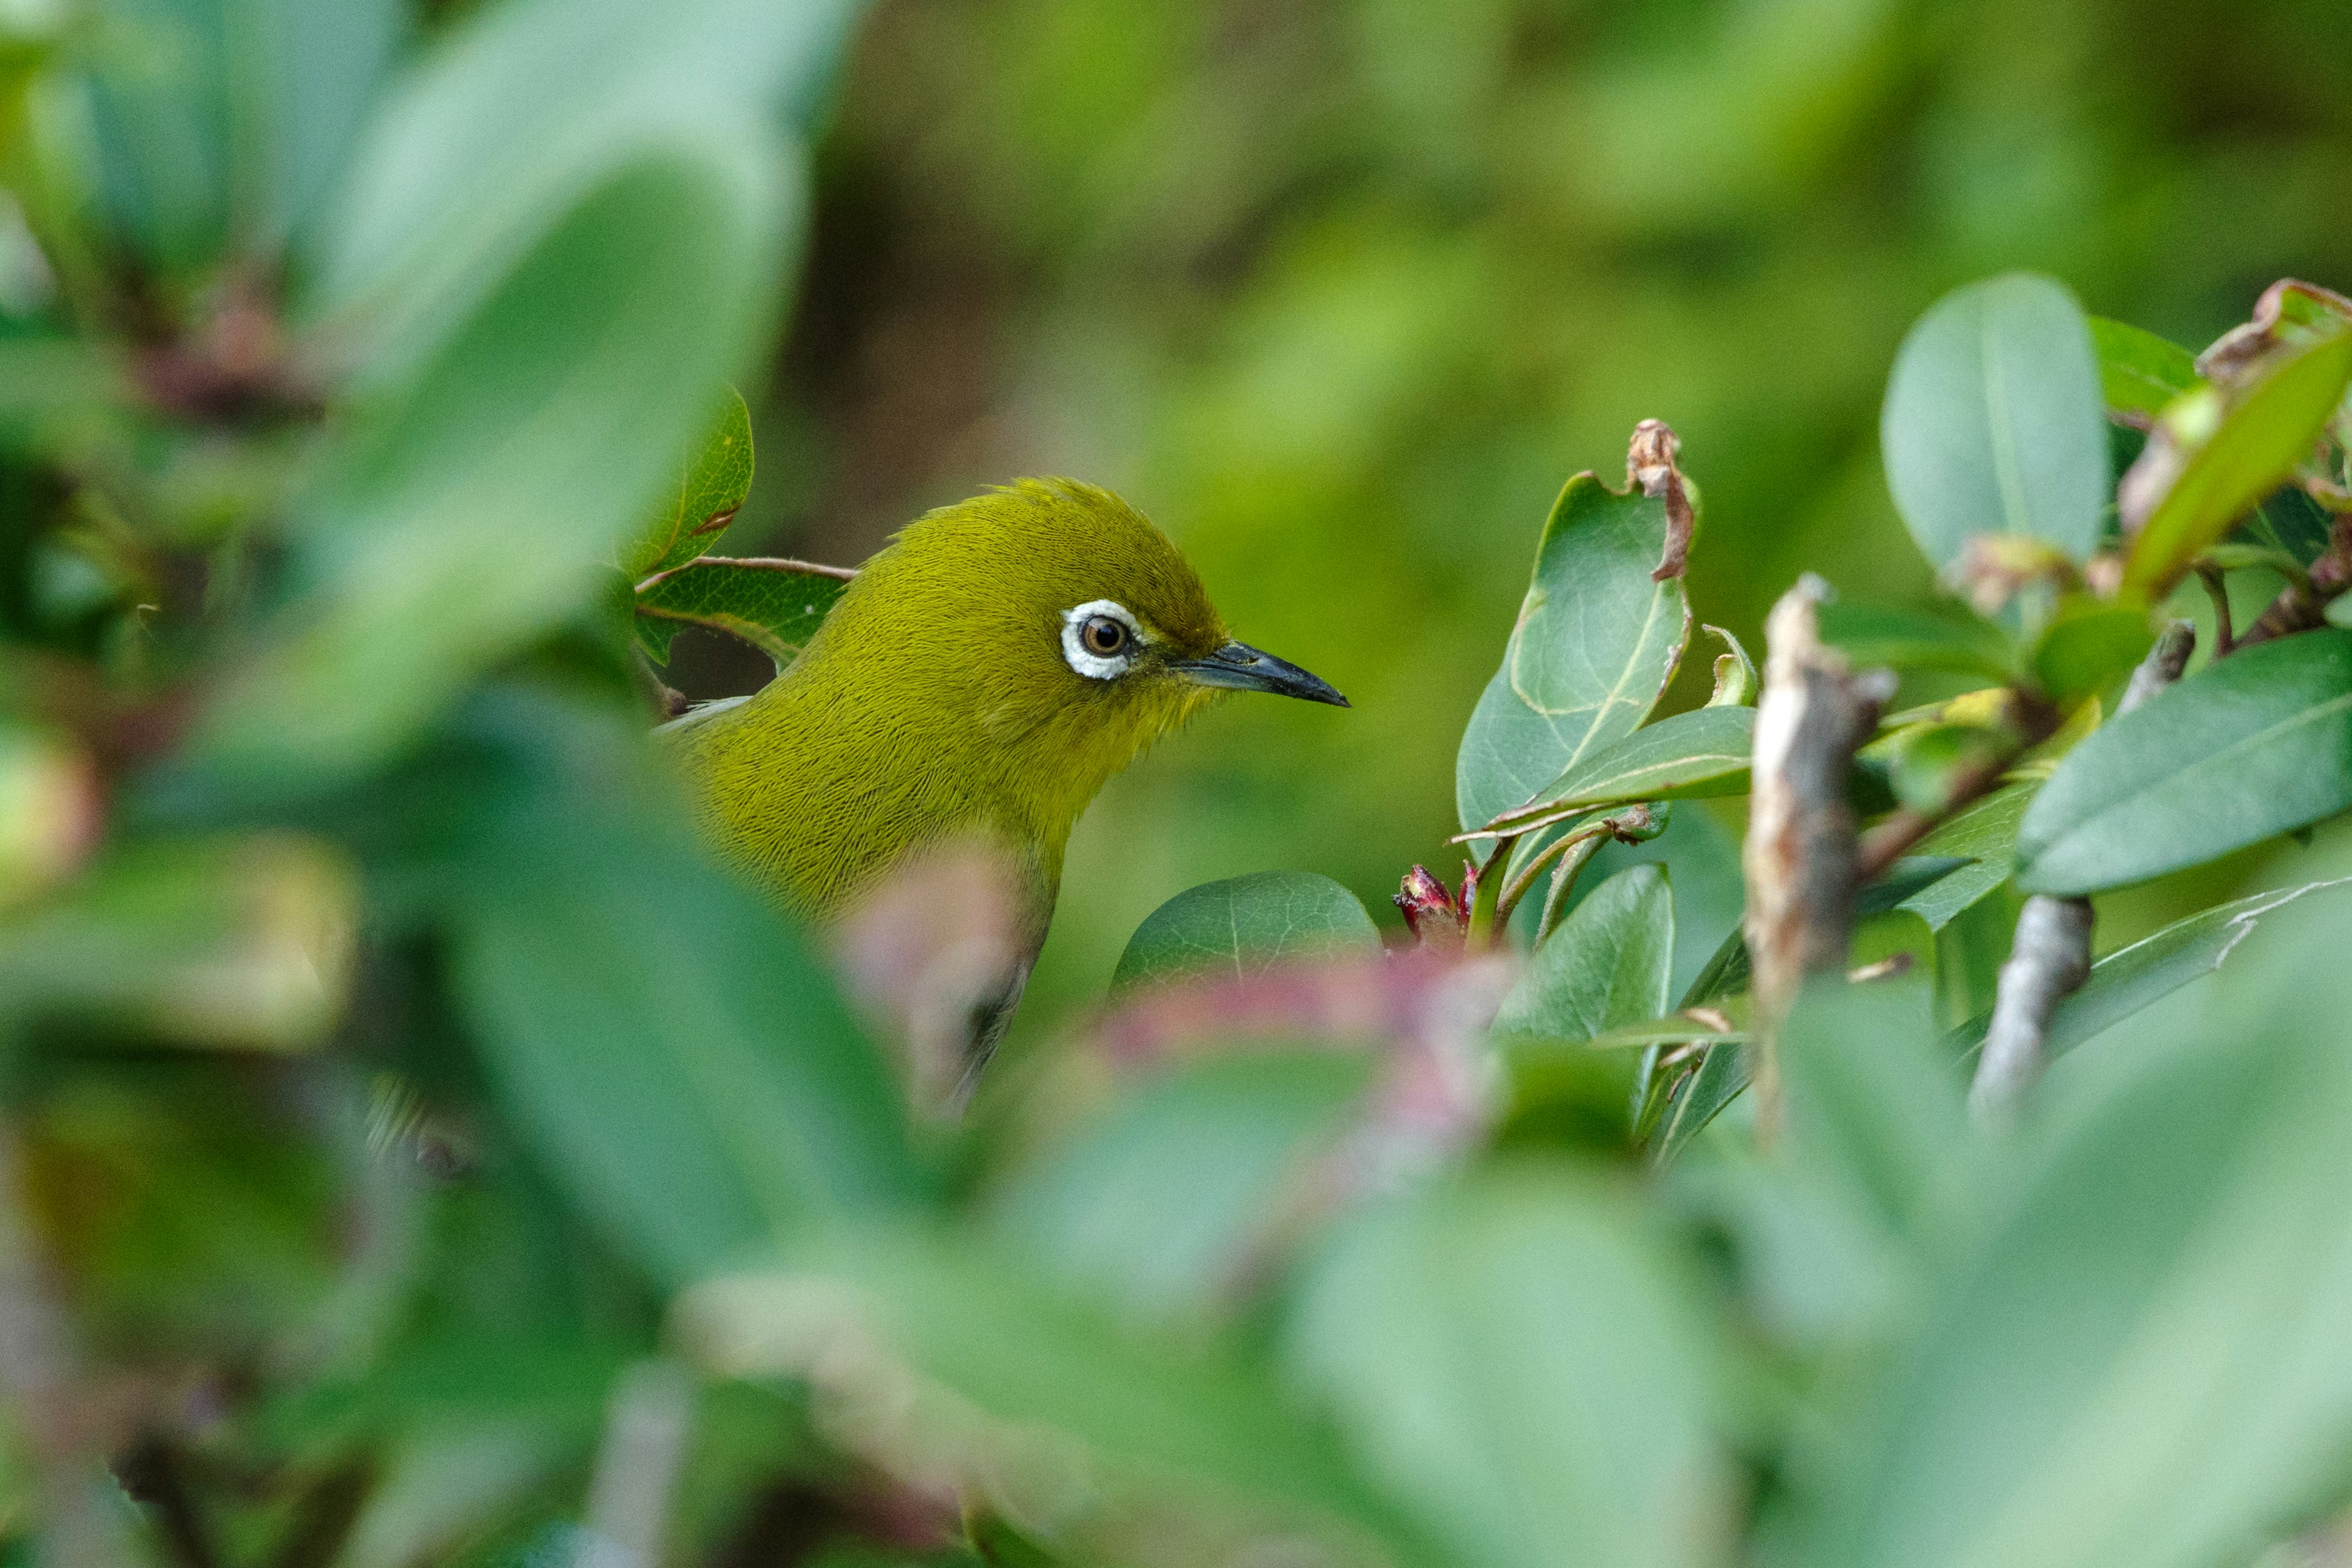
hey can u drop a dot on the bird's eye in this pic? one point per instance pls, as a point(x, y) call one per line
point(1100, 638)
point(1104, 637)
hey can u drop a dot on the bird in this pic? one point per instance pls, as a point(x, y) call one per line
point(980, 679)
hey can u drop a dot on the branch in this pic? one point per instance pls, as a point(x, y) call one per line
point(646, 1432)
point(2303, 607)
point(2048, 961)
point(2050, 956)
point(1800, 857)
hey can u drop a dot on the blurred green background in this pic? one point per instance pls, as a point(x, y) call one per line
point(1339, 293)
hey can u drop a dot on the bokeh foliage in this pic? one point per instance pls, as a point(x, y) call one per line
point(413, 1150)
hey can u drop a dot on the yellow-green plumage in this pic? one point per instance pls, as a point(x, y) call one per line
point(939, 702)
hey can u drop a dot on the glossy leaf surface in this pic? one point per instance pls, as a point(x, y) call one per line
point(1608, 964)
point(774, 605)
point(1596, 641)
point(691, 518)
point(1511, 1356)
point(1993, 420)
point(2254, 745)
point(1244, 926)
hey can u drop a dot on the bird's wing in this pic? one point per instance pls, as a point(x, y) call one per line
point(700, 713)
point(990, 1016)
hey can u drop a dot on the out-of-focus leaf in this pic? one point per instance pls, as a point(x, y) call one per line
point(1000, 1364)
point(1160, 1199)
point(1517, 1363)
point(2146, 1357)
point(444, 1485)
point(2139, 372)
point(44, 377)
point(1872, 1109)
point(774, 605)
point(471, 512)
point(242, 943)
point(1596, 639)
point(304, 73)
point(514, 120)
point(1927, 764)
point(1984, 834)
point(2088, 644)
point(161, 128)
point(654, 1027)
point(691, 520)
point(1608, 964)
point(1244, 926)
point(2251, 746)
point(1944, 637)
point(2149, 970)
point(1993, 421)
point(2222, 448)
point(1687, 756)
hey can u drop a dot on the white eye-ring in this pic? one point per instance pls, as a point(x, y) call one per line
point(1100, 638)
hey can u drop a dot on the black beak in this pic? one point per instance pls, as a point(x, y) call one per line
point(1244, 668)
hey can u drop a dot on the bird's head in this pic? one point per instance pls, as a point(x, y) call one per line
point(1058, 620)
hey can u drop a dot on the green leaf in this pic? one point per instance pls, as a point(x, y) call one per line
point(1685, 756)
point(1946, 636)
point(453, 529)
point(690, 522)
point(1983, 834)
point(305, 76)
point(1993, 421)
point(773, 604)
point(1872, 1111)
point(523, 112)
point(1722, 1074)
point(1608, 964)
point(2139, 372)
point(2149, 970)
point(2146, 1359)
point(1244, 926)
point(1512, 1356)
point(1736, 681)
point(1596, 642)
point(2089, 644)
point(2218, 452)
point(1185, 1412)
point(239, 943)
point(2248, 747)
point(654, 1028)
point(1160, 1199)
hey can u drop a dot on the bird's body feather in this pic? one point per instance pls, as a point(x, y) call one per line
point(941, 702)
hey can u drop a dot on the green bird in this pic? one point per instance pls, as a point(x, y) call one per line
point(980, 679)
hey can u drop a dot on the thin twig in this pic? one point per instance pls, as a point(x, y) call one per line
point(2048, 961)
point(2050, 956)
point(2303, 607)
point(1800, 854)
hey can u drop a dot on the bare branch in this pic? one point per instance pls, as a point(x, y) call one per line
point(2049, 959)
point(2162, 666)
point(1800, 855)
point(2050, 956)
